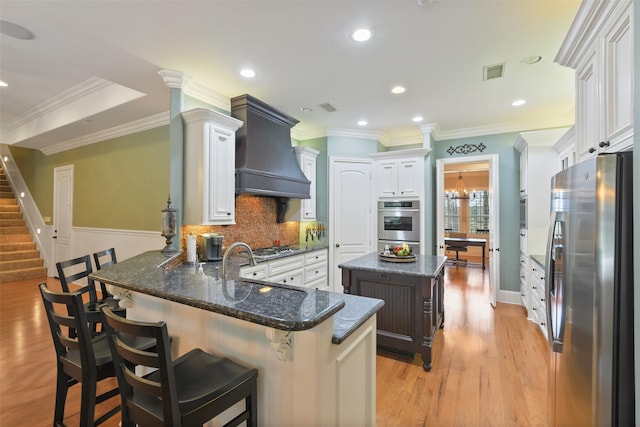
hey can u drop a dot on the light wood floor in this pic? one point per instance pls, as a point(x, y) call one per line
point(489, 365)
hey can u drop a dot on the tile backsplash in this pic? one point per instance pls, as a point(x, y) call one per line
point(255, 225)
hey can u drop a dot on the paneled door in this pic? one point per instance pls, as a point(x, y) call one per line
point(62, 214)
point(351, 207)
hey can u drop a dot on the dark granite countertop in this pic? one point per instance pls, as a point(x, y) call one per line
point(424, 266)
point(269, 304)
point(540, 259)
point(355, 312)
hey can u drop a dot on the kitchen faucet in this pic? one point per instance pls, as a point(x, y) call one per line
point(252, 260)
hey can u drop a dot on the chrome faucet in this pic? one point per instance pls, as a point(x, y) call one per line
point(252, 260)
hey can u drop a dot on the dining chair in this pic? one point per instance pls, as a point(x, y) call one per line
point(190, 390)
point(79, 268)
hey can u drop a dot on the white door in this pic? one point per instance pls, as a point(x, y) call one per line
point(62, 214)
point(351, 225)
point(493, 245)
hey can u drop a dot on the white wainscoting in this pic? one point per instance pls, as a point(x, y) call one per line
point(127, 243)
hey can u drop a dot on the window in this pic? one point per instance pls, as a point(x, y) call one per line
point(479, 212)
point(467, 215)
point(451, 214)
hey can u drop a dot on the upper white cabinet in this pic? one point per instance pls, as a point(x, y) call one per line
point(305, 209)
point(599, 47)
point(524, 168)
point(399, 174)
point(209, 167)
point(566, 149)
point(539, 162)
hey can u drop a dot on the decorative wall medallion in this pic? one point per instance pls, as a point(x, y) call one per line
point(466, 148)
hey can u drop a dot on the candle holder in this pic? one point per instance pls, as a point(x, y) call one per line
point(168, 227)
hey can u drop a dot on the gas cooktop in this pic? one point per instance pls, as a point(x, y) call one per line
point(263, 254)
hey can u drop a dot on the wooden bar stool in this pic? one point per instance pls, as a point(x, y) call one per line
point(187, 391)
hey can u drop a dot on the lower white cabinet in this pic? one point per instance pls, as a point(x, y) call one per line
point(288, 270)
point(538, 296)
point(307, 270)
point(524, 291)
point(258, 272)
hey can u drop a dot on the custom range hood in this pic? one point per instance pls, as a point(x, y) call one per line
point(265, 162)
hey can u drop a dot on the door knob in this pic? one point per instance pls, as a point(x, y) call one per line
point(337, 245)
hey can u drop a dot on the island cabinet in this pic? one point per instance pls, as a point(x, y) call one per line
point(315, 351)
point(414, 300)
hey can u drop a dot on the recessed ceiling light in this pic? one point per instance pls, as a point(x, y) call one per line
point(361, 35)
point(3, 84)
point(248, 73)
point(398, 89)
point(530, 60)
point(417, 119)
point(518, 102)
point(362, 123)
point(306, 109)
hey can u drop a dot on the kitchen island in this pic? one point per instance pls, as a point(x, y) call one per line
point(413, 293)
point(314, 350)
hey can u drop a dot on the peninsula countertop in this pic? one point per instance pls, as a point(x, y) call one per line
point(424, 265)
point(265, 303)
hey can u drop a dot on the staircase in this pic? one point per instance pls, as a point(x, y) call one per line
point(19, 258)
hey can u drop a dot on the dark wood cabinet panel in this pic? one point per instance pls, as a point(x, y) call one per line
point(413, 310)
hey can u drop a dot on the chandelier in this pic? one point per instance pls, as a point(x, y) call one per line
point(460, 190)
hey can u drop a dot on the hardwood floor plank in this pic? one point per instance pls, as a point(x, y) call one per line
point(489, 365)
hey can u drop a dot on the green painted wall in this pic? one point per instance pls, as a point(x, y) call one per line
point(121, 183)
point(509, 169)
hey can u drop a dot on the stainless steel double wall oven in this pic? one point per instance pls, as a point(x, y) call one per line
point(399, 222)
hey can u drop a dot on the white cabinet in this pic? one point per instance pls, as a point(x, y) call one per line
point(316, 269)
point(523, 171)
point(399, 174)
point(258, 272)
point(599, 47)
point(566, 149)
point(524, 289)
point(305, 209)
point(539, 164)
point(209, 167)
point(308, 270)
point(537, 295)
point(288, 270)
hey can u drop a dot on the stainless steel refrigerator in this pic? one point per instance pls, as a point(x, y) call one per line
point(589, 285)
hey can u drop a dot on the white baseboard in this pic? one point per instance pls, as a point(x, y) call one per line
point(509, 297)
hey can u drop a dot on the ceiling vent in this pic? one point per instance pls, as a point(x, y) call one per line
point(328, 107)
point(491, 72)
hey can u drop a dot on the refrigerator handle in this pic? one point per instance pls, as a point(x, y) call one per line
point(553, 251)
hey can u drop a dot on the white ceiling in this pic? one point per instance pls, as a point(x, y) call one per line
point(93, 65)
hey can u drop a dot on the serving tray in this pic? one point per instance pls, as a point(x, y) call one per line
point(396, 258)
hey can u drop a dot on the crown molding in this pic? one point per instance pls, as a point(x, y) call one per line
point(210, 96)
point(586, 25)
point(565, 140)
point(302, 135)
point(175, 79)
point(499, 128)
point(136, 126)
point(355, 133)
